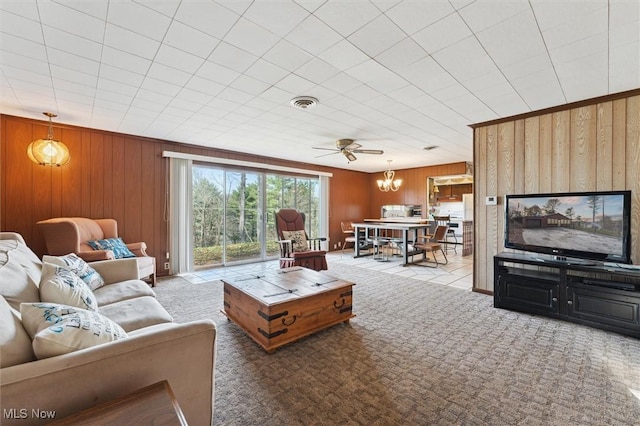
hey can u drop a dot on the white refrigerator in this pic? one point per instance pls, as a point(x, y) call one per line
point(467, 201)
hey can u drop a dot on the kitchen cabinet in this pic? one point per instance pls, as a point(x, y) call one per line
point(453, 192)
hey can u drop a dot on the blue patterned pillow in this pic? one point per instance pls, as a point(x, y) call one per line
point(116, 245)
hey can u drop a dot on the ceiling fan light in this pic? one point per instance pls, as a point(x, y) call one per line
point(349, 155)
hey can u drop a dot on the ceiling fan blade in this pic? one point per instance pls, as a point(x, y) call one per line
point(326, 149)
point(368, 151)
point(353, 145)
point(324, 155)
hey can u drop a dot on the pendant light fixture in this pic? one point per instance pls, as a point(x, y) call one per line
point(389, 183)
point(48, 152)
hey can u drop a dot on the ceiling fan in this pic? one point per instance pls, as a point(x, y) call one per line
point(348, 147)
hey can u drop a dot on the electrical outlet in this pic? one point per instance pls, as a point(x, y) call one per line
point(339, 244)
point(166, 265)
point(335, 246)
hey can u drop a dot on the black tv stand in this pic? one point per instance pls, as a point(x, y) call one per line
point(588, 293)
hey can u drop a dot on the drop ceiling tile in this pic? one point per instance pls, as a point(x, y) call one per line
point(20, 27)
point(574, 29)
point(295, 84)
point(528, 67)
point(347, 17)
point(22, 47)
point(278, 20)
point(74, 62)
point(343, 55)
point(130, 42)
point(624, 66)
point(139, 104)
point(159, 86)
point(590, 46)
point(465, 59)
point(217, 73)
point(362, 93)
point(20, 74)
point(513, 40)
point(287, 55)
point(558, 14)
point(428, 75)
point(96, 9)
point(249, 85)
point(68, 74)
point(481, 15)
point(64, 86)
point(138, 19)
point(402, 54)
point(377, 36)
point(13, 60)
point(77, 23)
point(413, 16)
point(232, 57)
point(190, 40)
point(317, 71)
point(106, 85)
point(205, 86)
point(121, 76)
point(27, 9)
point(111, 96)
point(310, 5)
point(126, 61)
point(178, 59)
point(208, 17)
point(193, 97)
point(71, 43)
point(313, 36)
point(168, 74)
point(105, 104)
point(251, 37)
point(540, 90)
point(165, 7)
point(584, 77)
point(266, 71)
point(442, 34)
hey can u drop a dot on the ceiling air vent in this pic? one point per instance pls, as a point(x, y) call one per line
point(430, 147)
point(304, 102)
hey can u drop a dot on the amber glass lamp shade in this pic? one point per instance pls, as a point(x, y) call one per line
point(48, 152)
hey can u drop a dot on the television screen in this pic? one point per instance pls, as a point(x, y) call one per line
point(585, 225)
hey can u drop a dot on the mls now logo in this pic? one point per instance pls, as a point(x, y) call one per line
point(23, 413)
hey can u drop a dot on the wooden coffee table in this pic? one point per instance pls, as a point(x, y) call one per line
point(284, 305)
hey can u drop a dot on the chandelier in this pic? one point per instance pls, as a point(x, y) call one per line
point(48, 152)
point(389, 183)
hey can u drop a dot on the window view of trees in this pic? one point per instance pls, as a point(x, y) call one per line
point(233, 216)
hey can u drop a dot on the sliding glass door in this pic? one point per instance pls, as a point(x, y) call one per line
point(233, 213)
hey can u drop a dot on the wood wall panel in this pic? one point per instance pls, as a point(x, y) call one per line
point(632, 168)
point(561, 152)
point(531, 155)
point(545, 152)
point(593, 145)
point(619, 143)
point(604, 154)
point(583, 148)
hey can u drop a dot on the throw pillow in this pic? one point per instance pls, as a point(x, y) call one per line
point(79, 267)
point(298, 240)
point(119, 248)
point(15, 342)
point(58, 329)
point(59, 285)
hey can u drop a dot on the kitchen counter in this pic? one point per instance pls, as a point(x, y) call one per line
point(399, 220)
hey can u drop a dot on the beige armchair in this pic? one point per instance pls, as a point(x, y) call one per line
point(64, 235)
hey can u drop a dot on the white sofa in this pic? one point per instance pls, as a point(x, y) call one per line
point(154, 350)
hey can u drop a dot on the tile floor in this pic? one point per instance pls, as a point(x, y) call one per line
point(457, 273)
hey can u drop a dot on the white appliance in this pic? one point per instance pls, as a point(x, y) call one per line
point(467, 201)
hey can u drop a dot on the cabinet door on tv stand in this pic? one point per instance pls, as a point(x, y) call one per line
point(526, 294)
point(618, 309)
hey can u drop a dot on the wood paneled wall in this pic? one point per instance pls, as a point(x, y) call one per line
point(586, 146)
point(124, 177)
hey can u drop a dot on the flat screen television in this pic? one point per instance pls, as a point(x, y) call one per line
point(595, 226)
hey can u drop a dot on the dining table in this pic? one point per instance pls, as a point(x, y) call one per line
point(409, 230)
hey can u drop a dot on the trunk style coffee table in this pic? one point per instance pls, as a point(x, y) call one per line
point(284, 305)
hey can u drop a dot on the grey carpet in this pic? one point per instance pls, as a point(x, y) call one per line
point(418, 354)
